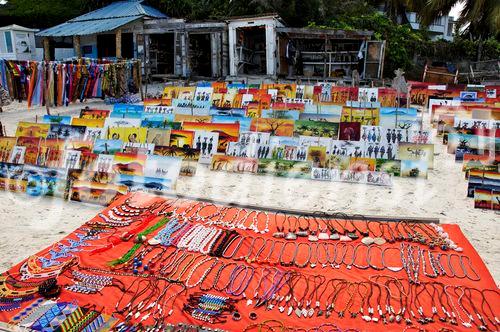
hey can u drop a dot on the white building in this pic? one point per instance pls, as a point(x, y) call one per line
point(17, 43)
point(442, 28)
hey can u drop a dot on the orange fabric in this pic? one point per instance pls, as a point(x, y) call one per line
point(117, 248)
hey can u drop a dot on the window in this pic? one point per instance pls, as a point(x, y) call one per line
point(8, 41)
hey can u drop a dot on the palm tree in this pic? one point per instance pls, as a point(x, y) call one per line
point(481, 19)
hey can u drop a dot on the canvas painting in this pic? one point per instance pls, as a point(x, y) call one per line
point(353, 176)
point(122, 122)
point(280, 114)
point(365, 116)
point(82, 146)
point(495, 200)
point(32, 145)
point(71, 159)
point(99, 123)
point(234, 164)
point(275, 127)
point(350, 131)
point(325, 174)
point(410, 151)
point(360, 164)
point(88, 113)
point(380, 150)
point(6, 146)
point(62, 119)
point(66, 132)
point(251, 150)
point(163, 167)
point(192, 118)
point(96, 193)
point(368, 95)
point(128, 134)
point(181, 138)
point(143, 183)
point(285, 168)
point(32, 129)
point(388, 166)
point(317, 156)
point(379, 179)
point(188, 155)
point(93, 133)
point(243, 121)
point(228, 132)
point(207, 143)
point(316, 128)
point(347, 148)
point(414, 169)
point(138, 148)
point(251, 137)
point(88, 160)
point(338, 162)
point(159, 109)
point(17, 155)
point(51, 152)
point(104, 163)
point(11, 177)
point(483, 198)
point(107, 146)
point(131, 164)
point(42, 181)
point(319, 117)
point(158, 136)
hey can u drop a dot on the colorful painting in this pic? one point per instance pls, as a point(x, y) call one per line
point(285, 168)
point(207, 143)
point(234, 164)
point(138, 148)
point(143, 183)
point(414, 169)
point(17, 155)
point(192, 118)
point(276, 127)
point(228, 132)
point(88, 113)
point(181, 138)
point(98, 123)
point(51, 153)
point(104, 163)
point(91, 133)
point(317, 156)
point(96, 193)
point(319, 117)
point(83, 146)
point(66, 132)
point(358, 164)
point(410, 151)
point(107, 146)
point(128, 134)
point(71, 159)
point(158, 136)
point(316, 128)
point(243, 121)
point(11, 177)
point(365, 116)
point(188, 155)
point(162, 167)
point(42, 181)
point(62, 119)
point(128, 163)
point(350, 131)
point(32, 129)
point(32, 145)
point(388, 166)
point(6, 146)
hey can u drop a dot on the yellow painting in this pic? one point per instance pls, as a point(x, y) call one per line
point(365, 116)
point(32, 129)
point(95, 123)
point(128, 134)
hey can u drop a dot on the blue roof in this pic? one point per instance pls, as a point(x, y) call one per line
point(104, 19)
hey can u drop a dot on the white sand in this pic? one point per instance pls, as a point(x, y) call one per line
point(31, 224)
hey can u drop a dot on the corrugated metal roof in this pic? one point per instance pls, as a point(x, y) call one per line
point(104, 19)
point(83, 28)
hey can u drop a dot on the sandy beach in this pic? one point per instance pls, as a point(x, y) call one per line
point(31, 224)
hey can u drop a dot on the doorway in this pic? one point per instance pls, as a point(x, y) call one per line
point(251, 50)
point(200, 54)
point(161, 53)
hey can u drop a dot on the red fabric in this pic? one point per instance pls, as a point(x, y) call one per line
point(115, 248)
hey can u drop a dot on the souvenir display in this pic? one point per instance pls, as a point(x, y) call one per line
point(151, 262)
point(60, 83)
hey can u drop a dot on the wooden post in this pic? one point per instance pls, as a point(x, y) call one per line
point(76, 46)
point(46, 49)
point(118, 43)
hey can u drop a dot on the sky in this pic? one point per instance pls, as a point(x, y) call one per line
point(455, 11)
